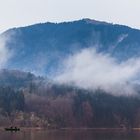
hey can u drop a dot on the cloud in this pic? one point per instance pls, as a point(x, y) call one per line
point(88, 69)
point(5, 52)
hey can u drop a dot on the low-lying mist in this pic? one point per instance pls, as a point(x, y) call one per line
point(90, 70)
point(87, 69)
point(5, 52)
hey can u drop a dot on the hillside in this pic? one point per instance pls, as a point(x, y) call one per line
point(41, 48)
point(28, 103)
point(98, 86)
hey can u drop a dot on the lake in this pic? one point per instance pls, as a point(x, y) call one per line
point(68, 135)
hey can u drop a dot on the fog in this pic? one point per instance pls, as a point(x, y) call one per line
point(88, 69)
point(5, 52)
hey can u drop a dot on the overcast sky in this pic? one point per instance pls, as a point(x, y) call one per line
point(15, 13)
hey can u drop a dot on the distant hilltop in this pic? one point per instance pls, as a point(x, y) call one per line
point(42, 47)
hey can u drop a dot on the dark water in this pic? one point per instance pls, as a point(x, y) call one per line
point(68, 135)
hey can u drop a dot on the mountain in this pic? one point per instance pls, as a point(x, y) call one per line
point(41, 48)
point(32, 101)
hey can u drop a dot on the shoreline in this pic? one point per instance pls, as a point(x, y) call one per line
point(74, 129)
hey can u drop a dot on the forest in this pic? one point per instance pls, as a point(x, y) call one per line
point(36, 102)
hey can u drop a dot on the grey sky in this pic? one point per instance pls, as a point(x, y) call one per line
point(15, 13)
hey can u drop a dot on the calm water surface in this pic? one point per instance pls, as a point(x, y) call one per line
point(68, 135)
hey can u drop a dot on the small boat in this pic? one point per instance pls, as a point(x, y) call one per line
point(12, 129)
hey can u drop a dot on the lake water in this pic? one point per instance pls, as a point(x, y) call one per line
point(68, 135)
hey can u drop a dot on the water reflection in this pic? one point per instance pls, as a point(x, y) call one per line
point(68, 135)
